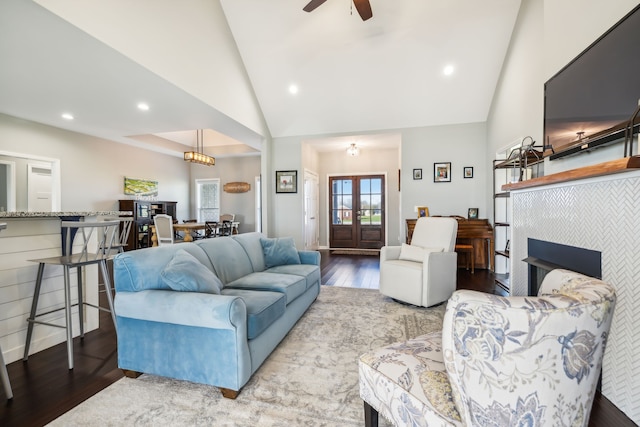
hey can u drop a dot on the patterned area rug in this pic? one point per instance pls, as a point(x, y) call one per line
point(311, 379)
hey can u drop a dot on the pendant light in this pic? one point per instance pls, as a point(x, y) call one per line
point(198, 156)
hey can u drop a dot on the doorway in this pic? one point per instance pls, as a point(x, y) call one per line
point(356, 211)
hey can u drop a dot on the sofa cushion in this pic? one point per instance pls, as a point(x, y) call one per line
point(251, 244)
point(310, 272)
point(185, 273)
point(229, 259)
point(415, 253)
point(140, 269)
point(279, 251)
point(263, 308)
point(291, 285)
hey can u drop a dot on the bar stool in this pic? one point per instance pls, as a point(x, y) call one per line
point(105, 234)
point(3, 368)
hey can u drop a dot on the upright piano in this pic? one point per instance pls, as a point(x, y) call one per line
point(476, 232)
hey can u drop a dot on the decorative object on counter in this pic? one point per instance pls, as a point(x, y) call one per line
point(286, 181)
point(442, 172)
point(473, 213)
point(198, 156)
point(140, 187)
point(422, 211)
point(468, 172)
point(236, 187)
point(417, 174)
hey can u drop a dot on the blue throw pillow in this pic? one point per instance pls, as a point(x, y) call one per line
point(185, 273)
point(279, 251)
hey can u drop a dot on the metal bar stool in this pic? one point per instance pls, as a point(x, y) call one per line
point(106, 234)
point(3, 368)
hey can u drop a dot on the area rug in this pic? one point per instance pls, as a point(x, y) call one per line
point(311, 379)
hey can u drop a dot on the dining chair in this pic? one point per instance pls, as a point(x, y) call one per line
point(164, 229)
point(210, 229)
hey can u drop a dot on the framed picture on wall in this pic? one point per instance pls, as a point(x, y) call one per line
point(442, 172)
point(286, 181)
point(423, 211)
point(417, 174)
point(468, 172)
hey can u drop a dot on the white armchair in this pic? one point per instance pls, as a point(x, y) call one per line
point(500, 361)
point(423, 273)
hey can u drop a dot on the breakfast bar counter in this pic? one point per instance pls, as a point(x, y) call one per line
point(28, 236)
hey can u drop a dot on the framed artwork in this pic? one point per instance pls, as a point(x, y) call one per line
point(468, 172)
point(286, 181)
point(473, 213)
point(442, 172)
point(140, 187)
point(423, 211)
point(417, 174)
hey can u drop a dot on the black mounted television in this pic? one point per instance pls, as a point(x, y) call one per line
point(590, 101)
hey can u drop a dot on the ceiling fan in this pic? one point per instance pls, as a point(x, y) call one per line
point(362, 6)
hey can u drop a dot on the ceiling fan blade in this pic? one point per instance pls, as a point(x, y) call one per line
point(312, 5)
point(364, 9)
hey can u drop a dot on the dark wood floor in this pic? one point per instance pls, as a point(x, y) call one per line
point(44, 388)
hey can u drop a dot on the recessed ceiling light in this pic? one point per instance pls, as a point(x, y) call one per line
point(143, 106)
point(448, 70)
point(67, 116)
point(293, 89)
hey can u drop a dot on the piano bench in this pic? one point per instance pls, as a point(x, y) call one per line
point(469, 250)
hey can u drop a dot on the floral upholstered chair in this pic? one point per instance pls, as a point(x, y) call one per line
point(499, 361)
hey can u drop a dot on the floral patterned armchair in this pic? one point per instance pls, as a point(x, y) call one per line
point(499, 361)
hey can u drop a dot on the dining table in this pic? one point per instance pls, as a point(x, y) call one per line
point(189, 228)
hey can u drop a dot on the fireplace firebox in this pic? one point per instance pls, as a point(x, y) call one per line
point(544, 256)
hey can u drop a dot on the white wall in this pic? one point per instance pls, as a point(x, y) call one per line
point(231, 169)
point(93, 169)
point(462, 145)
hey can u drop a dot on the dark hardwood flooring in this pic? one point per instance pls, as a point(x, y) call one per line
point(44, 388)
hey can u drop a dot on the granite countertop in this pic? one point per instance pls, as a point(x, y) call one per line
point(23, 214)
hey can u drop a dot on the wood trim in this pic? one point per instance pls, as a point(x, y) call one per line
point(606, 168)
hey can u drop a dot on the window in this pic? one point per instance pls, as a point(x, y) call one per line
point(208, 199)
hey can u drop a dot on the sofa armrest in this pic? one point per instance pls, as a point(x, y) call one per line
point(183, 308)
point(389, 253)
point(309, 257)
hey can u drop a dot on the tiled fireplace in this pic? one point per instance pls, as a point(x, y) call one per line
point(603, 215)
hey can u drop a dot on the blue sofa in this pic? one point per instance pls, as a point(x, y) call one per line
point(236, 310)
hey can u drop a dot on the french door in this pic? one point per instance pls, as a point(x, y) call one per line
point(356, 209)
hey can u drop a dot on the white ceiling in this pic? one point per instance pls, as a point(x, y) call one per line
point(353, 76)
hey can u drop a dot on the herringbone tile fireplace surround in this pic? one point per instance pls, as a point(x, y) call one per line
point(601, 214)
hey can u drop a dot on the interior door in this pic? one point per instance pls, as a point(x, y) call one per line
point(311, 232)
point(356, 209)
point(39, 184)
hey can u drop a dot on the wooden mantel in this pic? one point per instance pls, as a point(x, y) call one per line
point(607, 168)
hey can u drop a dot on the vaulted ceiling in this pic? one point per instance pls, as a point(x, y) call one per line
point(351, 76)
